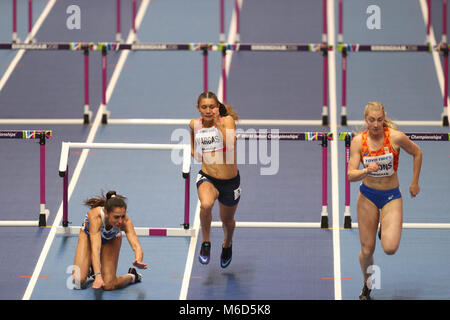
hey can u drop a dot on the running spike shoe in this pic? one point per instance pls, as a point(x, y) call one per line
point(365, 293)
point(225, 257)
point(205, 252)
point(137, 276)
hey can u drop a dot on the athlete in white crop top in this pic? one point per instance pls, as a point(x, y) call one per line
point(99, 243)
point(105, 232)
point(213, 142)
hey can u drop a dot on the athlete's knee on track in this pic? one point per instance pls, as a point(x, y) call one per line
point(79, 283)
point(79, 279)
point(109, 285)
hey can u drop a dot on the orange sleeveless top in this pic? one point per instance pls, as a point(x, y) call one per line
point(386, 157)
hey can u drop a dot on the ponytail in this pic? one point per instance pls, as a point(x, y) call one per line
point(389, 123)
point(110, 201)
point(227, 111)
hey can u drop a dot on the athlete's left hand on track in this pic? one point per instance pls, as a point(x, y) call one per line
point(139, 264)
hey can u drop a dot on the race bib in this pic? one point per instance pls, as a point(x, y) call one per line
point(208, 140)
point(385, 165)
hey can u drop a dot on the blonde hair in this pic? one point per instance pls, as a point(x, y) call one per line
point(377, 106)
point(225, 110)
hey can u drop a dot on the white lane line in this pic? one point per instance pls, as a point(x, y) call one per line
point(334, 153)
point(231, 39)
point(193, 242)
point(83, 157)
point(20, 53)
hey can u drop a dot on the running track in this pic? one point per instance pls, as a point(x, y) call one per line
point(268, 263)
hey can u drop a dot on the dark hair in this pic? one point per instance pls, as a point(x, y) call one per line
point(223, 109)
point(110, 201)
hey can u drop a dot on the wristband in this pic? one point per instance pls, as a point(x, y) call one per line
point(365, 170)
point(97, 274)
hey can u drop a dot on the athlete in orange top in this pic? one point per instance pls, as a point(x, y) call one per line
point(379, 200)
point(386, 164)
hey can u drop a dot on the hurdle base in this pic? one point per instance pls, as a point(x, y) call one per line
point(87, 115)
point(445, 121)
point(343, 120)
point(15, 38)
point(43, 218)
point(105, 118)
point(347, 222)
point(325, 120)
point(324, 222)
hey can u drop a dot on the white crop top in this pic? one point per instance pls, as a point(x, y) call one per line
point(207, 139)
point(106, 234)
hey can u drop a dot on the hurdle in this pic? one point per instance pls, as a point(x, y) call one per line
point(42, 135)
point(119, 19)
point(414, 136)
point(428, 47)
point(440, 48)
point(444, 21)
point(106, 47)
point(237, 9)
point(205, 48)
point(224, 48)
point(185, 230)
point(70, 46)
point(15, 38)
point(323, 138)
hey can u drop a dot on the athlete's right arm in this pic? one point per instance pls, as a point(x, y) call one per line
point(354, 173)
point(196, 155)
point(95, 223)
point(191, 125)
